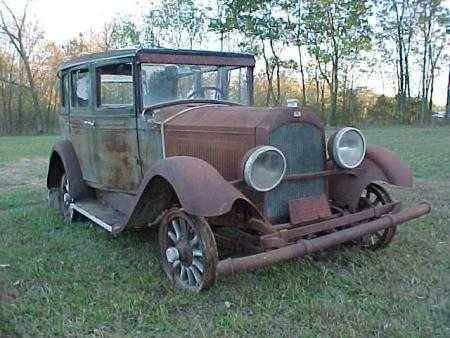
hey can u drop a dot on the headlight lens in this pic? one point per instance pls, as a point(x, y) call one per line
point(264, 168)
point(347, 148)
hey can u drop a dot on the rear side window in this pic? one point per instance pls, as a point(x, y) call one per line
point(115, 86)
point(80, 88)
point(65, 90)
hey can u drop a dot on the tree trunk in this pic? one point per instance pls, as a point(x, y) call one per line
point(401, 75)
point(302, 73)
point(334, 93)
point(269, 74)
point(424, 98)
point(35, 98)
point(316, 79)
point(277, 66)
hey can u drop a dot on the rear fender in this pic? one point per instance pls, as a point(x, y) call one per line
point(379, 164)
point(188, 181)
point(64, 159)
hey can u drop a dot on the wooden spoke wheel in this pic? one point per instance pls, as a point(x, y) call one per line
point(188, 250)
point(375, 195)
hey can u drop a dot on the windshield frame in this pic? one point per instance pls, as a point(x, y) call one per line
point(249, 79)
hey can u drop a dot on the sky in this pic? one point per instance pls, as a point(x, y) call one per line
point(61, 20)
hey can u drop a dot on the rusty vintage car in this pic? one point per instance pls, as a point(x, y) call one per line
point(170, 139)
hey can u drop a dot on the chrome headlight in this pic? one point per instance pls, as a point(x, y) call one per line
point(347, 148)
point(264, 168)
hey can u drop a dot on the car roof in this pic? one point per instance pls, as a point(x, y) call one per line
point(124, 53)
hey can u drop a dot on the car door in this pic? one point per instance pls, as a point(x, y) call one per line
point(115, 143)
point(81, 119)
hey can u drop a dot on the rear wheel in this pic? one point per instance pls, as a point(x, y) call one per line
point(188, 250)
point(372, 196)
point(64, 198)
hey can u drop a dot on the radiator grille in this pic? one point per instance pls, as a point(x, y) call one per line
point(303, 146)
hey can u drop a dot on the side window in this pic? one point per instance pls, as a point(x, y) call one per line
point(80, 88)
point(65, 90)
point(115, 86)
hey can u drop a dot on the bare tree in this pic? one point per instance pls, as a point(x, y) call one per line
point(18, 32)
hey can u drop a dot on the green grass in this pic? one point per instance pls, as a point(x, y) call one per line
point(76, 280)
point(14, 148)
point(426, 149)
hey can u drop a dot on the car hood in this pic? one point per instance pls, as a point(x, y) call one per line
point(231, 118)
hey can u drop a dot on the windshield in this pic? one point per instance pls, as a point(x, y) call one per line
point(163, 83)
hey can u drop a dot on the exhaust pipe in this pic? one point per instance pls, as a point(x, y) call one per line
point(303, 247)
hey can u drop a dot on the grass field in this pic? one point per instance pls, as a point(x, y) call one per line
point(76, 280)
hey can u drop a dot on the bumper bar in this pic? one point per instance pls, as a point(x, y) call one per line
point(304, 247)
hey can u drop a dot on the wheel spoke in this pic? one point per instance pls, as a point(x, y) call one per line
point(379, 235)
point(190, 275)
point(197, 253)
point(172, 237)
point(193, 242)
point(197, 264)
point(176, 227)
point(183, 273)
point(197, 276)
point(183, 227)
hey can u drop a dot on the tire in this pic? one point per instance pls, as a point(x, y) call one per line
point(188, 251)
point(64, 198)
point(375, 195)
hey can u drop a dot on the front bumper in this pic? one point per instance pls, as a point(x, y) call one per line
point(386, 216)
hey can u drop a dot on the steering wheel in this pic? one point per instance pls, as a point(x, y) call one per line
point(200, 92)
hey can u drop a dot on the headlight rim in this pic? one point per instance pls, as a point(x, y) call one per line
point(335, 152)
point(250, 159)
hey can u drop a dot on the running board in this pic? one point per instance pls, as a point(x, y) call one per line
point(98, 213)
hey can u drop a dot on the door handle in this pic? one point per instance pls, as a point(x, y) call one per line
point(89, 123)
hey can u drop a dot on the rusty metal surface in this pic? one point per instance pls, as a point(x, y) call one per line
point(107, 147)
point(199, 188)
point(193, 59)
point(308, 209)
point(222, 135)
point(379, 165)
point(82, 139)
point(64, 154)
point(225, 118)
point(397, 172)
point(164, 56)
point(303, 144)
point(303, 247)
point(285, 115)
point(301, 231)
point(115, 153)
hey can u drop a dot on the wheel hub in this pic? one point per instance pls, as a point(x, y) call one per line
point(172, 254)
point(185, 251)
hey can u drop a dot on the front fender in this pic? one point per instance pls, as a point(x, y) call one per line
point(199, 189)
point(379, 164)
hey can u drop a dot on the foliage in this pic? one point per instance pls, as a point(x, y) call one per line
point(336, 30)
point(314, 51)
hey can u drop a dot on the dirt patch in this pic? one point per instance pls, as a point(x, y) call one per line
point(24, 173)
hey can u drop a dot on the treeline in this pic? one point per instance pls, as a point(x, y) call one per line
point(314, 51)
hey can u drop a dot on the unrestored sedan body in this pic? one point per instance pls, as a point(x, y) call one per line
point(169, 139)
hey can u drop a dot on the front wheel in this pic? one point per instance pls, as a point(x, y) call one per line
point(188, 250)
point(372, 196)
